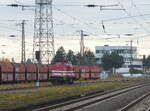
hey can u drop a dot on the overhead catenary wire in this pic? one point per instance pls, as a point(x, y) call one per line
point(122, 18)
point(76, 19)
point(8, 27)
point(112, 19)
point(86, 24)
point(72, 17)
point(71, 25)
point(93, 24)
point(145, 29)
point(137, 9)
point(117, 19)
point(81, 22)
point(3, 25)
point(16, 1)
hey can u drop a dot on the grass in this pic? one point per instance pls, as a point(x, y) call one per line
point(45, 84)
point(23, 85)
point(23, 97)
point(112, 78)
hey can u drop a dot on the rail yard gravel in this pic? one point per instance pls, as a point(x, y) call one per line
point(117, 102)
point(144, 105)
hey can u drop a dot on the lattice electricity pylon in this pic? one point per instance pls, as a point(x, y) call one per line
point(43, 41)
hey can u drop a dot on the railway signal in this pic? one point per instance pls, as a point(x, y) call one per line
point(38, 57)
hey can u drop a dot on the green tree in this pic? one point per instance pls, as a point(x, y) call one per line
point(106, 61)
point(78, 59)
point(146, 63)
point(72, 57)
point(89, 58)
point(135, 71)
point(29, 61)
point(60, 55)
point(112, 60)
point(4, 60)
point(117, 61)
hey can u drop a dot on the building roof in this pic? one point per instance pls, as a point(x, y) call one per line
point(114, 47)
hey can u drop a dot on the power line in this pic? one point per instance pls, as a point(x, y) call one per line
point(8, 27)
point(73, 18)
point(137, 9)
point(122, 18)
point(16, 1)
point(89, 6)
point(107, 20)
point(145, 29)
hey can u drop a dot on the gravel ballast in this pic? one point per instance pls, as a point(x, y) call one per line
point(117, 102)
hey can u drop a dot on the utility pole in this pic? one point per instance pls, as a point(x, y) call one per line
point(131, 51)
point(82, 44)
point(131, 62)
point(82, 47)
point(131, 55)
point(23, 52)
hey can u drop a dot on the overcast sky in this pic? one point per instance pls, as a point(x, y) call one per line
point(70, 16)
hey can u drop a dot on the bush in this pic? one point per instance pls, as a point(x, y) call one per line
point(135, 71)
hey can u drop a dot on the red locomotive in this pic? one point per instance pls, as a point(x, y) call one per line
point(59, 72)
point(62, 72)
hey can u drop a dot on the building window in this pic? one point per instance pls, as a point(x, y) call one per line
point(97, 51)
point(97, 59)
point(101, 51)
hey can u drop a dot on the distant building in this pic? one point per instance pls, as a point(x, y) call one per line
point(137, 64)
point(124, 51)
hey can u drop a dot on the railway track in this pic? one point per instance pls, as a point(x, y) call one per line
point(148, 109)
point(84, 101)
point(135, 102)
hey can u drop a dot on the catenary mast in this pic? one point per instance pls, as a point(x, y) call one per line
point(43, 41)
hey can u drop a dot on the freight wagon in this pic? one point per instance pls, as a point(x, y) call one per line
point(62, 72)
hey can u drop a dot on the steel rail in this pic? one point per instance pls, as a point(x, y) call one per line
point(148, 109)
point(135, 102)
point(88, 100)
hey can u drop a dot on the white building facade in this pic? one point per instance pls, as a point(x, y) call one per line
point(129, 53)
